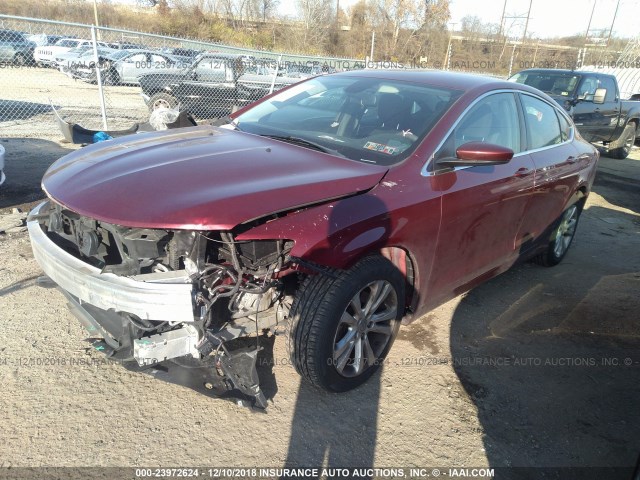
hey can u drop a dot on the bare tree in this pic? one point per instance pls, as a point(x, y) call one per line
point(316, 16)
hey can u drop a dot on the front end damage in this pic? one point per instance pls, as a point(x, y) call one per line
point(162, 299)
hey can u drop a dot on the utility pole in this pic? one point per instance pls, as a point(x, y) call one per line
point(95, 16)
point(586, 35)
point(612, 22)
point(373, 42)
point(526, 24)
point(504, 9)
point(446, 64)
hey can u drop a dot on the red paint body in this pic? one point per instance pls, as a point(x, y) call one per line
point(458, 228)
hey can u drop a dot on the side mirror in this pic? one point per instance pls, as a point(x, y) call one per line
point(598, 97)
point(477, 153)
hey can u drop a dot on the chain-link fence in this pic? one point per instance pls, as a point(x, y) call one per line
point(45, 64)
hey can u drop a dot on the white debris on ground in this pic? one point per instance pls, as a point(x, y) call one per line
point(14, 222)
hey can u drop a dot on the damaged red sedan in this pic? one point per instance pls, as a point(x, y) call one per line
point(337, 208)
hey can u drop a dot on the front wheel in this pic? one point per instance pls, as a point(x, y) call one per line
point(162, 100)
point(628, 138)
point(342, 328)
point(111, 77)
point(561, 237)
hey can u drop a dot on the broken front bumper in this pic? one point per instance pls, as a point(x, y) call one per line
point(178, 356)
point(162, 297)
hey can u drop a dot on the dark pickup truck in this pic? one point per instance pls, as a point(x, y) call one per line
point(213, 86)
point(593, 101)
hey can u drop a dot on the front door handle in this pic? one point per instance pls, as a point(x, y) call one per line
point(572, 159)
point(522, 172)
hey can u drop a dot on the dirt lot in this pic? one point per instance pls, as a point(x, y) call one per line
point(538, 367)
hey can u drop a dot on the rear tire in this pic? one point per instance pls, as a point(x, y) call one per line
point(111, 78)
point(342, 328)
point(160, 100)
point(19, 59)
point(561, 237)
point(628, 137)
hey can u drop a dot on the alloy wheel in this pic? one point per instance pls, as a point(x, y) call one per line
point(365, 328)
point(565, 231)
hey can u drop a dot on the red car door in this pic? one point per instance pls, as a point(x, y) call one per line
point(483, 208)
point(557, 164)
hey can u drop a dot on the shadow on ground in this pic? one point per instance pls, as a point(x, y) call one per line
point(26, 161)
point(19, 110)
point(551, 357)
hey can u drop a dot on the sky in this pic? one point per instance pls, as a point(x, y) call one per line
point(554, 18)
point(548, 19)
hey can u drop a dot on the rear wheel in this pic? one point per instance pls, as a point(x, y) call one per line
point(342, 328)
point(19, 59)
point(628, 138)
point(561, 237)
point(162, 100)
point(111, 78)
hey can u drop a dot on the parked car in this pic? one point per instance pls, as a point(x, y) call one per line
point(14, 47)
point(126, 46)
point(215, 85)
point(342, 206)
point(187, 55)
point(593, 101)
point(42, 39)
point(126, 66)
point(79, 57)
point(45, 56)
point(2, 175)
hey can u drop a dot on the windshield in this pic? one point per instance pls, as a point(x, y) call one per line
point(119, 54)
point(367, 119)
point(563, 84)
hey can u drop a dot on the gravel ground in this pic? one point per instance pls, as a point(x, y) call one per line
point(538, 367)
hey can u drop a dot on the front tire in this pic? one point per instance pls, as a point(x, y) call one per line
point(111, 78)
point(561, 237)
point(162, 100)
point(342, 328)
point(628, 138)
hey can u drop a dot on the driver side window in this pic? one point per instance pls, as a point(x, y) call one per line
point(588, 88)
point(494, 119)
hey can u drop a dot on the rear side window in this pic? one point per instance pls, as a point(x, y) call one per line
point(565, 127)
point(543, 126)
point(9, 36)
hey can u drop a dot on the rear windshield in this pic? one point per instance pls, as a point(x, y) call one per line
point(367, 119)
point(552, 83)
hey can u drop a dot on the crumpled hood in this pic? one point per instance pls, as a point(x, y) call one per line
point(199, 178)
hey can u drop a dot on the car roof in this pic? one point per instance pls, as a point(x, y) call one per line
point(224, 55)
point(552, 70)
point(454, 80)
point(558, 70)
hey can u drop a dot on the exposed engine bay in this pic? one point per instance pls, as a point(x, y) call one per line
point(239, 289)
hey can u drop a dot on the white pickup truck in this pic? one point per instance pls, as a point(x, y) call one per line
point(46, 55)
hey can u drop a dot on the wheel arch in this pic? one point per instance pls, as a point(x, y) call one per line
point(404, 261)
